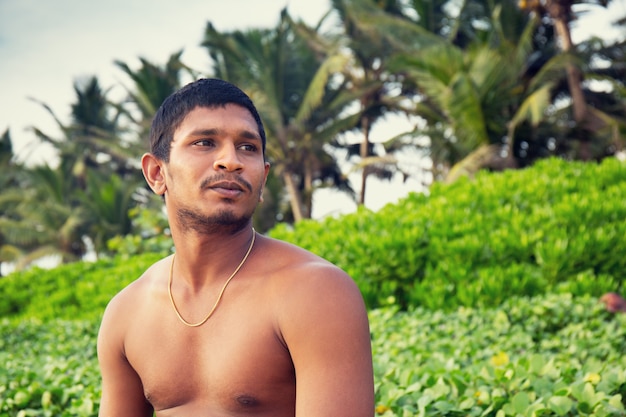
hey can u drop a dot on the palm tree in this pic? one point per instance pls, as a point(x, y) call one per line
point(504, 88)
point(44, 222)
point(152, 84)
point(94, 137)
point(467, 96)
point(67, 206)
point(374, 31)
point(301, 99)
point(589, 121)
point(52, 218)
point(11, 183)
point(108, 203)
point(10, 168)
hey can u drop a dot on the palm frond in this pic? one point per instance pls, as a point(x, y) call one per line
point(533, 107)
point(317, 87)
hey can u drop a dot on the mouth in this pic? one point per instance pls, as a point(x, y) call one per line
point(229, 189)
point(227, 185)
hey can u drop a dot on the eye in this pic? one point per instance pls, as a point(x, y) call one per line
point(204, 142)
point(248, 147)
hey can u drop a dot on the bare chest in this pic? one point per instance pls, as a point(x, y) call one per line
point(233, 364)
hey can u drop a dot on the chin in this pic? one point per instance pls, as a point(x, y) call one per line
point(225, 221)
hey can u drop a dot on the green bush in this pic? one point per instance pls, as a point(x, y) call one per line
point(467, 333)
point(554, 355)
point(557, 226)
point(79, 290)
point(49, 369)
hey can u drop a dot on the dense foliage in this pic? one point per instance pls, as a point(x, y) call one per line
point(49, 369)
point(491, 84)
point(549, 355)
point(557, 226)
point(554, 227)
point(71, 292)
point(481, 341)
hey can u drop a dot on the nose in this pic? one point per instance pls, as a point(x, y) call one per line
point(227, 159)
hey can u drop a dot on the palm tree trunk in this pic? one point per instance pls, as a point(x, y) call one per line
point(294, 197)
point(364, 152)
point(308, 189)
point(559, 11)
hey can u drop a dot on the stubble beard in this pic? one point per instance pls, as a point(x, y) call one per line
point(224, 221)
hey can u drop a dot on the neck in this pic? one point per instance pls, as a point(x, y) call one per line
point(202, 260)
point(219, 297)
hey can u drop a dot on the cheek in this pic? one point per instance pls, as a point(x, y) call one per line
point(182, 174)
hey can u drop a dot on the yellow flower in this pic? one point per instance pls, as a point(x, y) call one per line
point(500, 359)
point(381, 409)
point(593, 378)
point(477, 395)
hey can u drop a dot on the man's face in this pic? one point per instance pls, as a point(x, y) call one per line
point(216, 172)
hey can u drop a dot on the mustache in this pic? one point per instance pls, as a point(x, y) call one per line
point(208, 182)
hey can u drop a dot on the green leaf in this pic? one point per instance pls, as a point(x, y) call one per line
point(560, 405)
point(519, 403)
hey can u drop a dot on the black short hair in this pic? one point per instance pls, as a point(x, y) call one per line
point(205, 92)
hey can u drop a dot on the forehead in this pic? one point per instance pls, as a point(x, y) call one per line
point(227, 117)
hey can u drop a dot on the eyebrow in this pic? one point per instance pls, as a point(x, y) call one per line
point(246, 134)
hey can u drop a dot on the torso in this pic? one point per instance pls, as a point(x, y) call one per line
point(234, 364)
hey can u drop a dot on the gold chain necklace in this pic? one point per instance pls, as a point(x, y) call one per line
point(219, 297)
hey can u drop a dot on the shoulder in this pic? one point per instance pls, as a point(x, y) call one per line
point(136, 290)
point(322, 322)
point(298, 271)
point(130, 300)
point(308, 288)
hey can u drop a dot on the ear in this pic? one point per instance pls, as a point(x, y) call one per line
point(153, 172)
point(267, 171)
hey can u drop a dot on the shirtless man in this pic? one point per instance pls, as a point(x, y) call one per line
point(289, 336)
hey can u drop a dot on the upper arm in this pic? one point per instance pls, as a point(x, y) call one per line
point(326, 330)
point(122, 390)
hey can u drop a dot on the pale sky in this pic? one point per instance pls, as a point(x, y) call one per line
point(45, 45)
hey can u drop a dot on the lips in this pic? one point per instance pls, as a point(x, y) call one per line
point(227, 185)
point(227, 189)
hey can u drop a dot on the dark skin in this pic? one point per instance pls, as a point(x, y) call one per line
point(286, 316)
